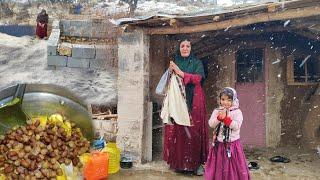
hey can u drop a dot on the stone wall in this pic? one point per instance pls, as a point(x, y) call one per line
point(94, 28)
point(77, 55)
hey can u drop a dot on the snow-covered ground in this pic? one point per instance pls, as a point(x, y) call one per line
point(152, 7)
point(24, 60)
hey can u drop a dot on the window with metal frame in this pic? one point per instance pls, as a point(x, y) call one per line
point(249, 64)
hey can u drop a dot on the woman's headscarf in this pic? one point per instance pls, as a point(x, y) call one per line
point(235, 100)
point(43, 12)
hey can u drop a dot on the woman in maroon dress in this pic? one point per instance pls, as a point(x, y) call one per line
point(185, 148)
point(42, 23)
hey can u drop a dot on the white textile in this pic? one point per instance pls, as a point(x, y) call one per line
point(174, 105)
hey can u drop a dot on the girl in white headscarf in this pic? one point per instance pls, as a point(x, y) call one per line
point(226, 159)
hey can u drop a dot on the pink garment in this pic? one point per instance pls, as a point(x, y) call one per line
point(220, 167)
point(185, 148)
point(236, 116)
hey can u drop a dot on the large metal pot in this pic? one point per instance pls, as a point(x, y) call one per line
point(45, 99)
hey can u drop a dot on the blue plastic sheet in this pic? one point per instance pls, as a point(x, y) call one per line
point(161, 87)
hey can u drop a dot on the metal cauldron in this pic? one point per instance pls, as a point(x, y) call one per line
point(45, 99)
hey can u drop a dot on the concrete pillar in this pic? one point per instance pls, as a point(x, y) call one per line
point(133, 95)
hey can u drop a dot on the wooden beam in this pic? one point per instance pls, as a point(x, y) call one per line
point(107, 116)
point(243, 21)
point(234, 33)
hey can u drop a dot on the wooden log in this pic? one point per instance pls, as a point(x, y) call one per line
point(242, 21)
point(107, 116)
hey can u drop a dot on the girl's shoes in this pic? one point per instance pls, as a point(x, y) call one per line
point(199, 171)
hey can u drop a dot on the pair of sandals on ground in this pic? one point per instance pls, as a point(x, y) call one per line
point(252, 165)
point(278, 159)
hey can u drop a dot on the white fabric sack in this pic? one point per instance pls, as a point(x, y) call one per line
point(161, 87)
point(174, 105)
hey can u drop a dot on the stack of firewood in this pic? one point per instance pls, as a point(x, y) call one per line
point(108, 115)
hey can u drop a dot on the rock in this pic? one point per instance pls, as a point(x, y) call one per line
point(65, 49)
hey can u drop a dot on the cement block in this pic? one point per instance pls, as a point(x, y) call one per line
point(96, 22)
point(109, 126)
point(89, 51)
point(57, 61)
point(71, 30)
point(77, 51)
point(54, 37)
point(87, 25)
point(52, 42)
point(86, 33)
point(83, 51)
point(56, 24)
point(51, 50)
point(97, 124)
point(76, 23)
point(98, 34)
point(99, 64)
point(102, 51)
point(65, 23)
point(78, 62)
point(77, 32)
point(98, 27)
point(55, 31)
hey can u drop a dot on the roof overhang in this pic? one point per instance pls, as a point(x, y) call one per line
point(224, 19)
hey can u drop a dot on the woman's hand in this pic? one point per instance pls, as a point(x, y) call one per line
point(176, 69)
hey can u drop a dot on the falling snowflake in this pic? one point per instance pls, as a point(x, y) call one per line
point(304, 61)
point(299, 136)
point(277, 61)
point(227, 28)
point(286, 23)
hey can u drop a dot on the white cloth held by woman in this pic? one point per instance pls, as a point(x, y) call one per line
point(174, 105)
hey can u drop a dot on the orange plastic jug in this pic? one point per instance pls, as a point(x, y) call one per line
point(97, 166)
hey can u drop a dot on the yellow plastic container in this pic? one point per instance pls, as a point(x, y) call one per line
point(84, 158)
point(114, 157)
point(2, 177)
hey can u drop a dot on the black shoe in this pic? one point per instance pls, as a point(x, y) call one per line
point(253, 165)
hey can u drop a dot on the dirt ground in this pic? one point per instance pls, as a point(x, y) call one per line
point(304, 165)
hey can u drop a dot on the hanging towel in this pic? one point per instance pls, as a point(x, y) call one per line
point(174, 105)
